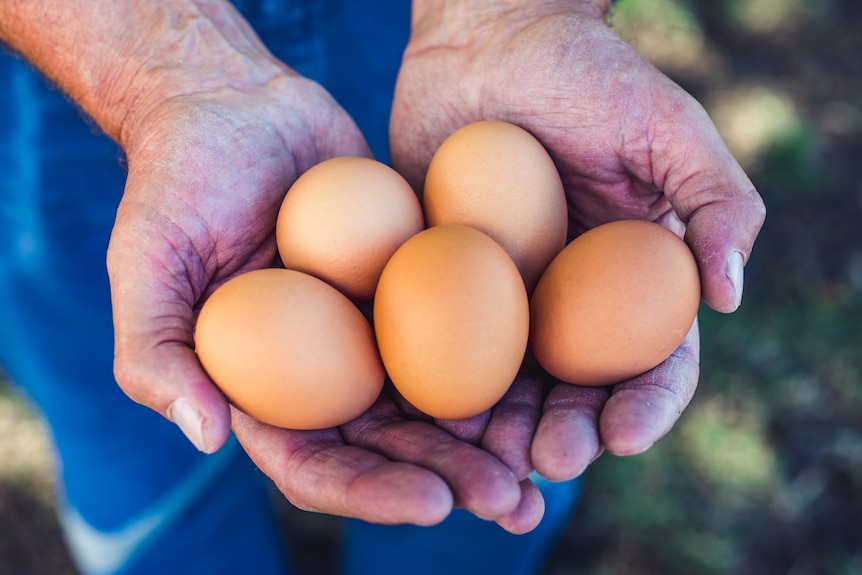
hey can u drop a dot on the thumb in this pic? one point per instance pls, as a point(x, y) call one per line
point(721, 235)
point(723, 212)
point(154, 359)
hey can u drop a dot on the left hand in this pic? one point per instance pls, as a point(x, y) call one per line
point(629, 143)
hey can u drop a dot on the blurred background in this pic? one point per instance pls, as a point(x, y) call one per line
point(763, 473)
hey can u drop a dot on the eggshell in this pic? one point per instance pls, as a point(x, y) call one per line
point(452, 320)
point(342, 220)
point(289, 350)
point(498, 178)
point(616, 302)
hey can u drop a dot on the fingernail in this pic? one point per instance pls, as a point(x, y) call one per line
point(735, 274)
point(190, 421)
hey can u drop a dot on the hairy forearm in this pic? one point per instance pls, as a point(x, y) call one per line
point(116, 58)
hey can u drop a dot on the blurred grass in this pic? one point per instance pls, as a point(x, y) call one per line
point(763, 473)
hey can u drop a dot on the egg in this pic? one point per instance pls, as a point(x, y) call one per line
point(289, 350)
point(616, 302)
point(342, 220)
point(498, 178)
point(451, 316)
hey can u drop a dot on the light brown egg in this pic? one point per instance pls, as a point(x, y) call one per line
point(616, 302)
point(452, 320)
point(498, 178)
point(342, 220)
point(288, 349)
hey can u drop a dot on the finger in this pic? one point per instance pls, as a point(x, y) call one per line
point(567, 439)
point(480, 483)
point(470, 430)
point(154, 359)
point(509, 434)
point(709, 190)
point(642, 410)
point(529, 512)
point(507, 430)
point(721, 236)
point(317, 472)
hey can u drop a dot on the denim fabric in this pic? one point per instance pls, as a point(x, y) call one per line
point(118, 462)
point(352, 48)
point(462, 544)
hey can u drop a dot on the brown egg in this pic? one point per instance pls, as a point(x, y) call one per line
point(289, 350)
point(616, 302)
point(498, 178)
point(452, 320)
point(342, 220)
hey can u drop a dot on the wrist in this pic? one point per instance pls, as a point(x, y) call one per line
point(456, 23)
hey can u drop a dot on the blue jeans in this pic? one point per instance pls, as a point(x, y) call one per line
point(135, 496)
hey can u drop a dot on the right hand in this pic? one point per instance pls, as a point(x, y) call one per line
point(628, 143)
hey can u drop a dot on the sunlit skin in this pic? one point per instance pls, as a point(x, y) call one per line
point(215, 130)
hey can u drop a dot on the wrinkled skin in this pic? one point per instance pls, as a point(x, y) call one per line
point(208, 167)
point(628, 143)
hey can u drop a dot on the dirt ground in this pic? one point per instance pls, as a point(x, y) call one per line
point(763, 473)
